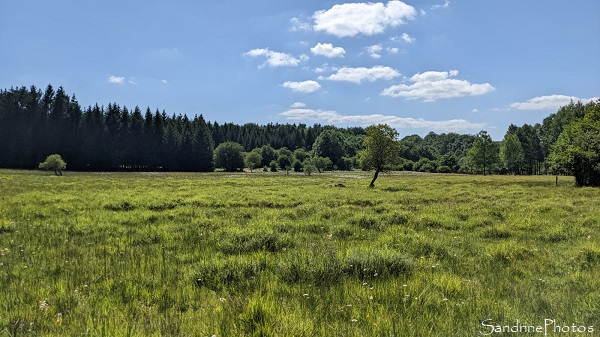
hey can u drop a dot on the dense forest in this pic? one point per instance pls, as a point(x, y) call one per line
point(36, 123)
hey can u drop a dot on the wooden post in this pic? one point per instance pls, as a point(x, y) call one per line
point(556, 184)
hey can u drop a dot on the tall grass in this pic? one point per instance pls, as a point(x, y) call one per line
point(173, 254)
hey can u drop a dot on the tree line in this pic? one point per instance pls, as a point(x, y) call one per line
point(567, 142)
point(36, 123)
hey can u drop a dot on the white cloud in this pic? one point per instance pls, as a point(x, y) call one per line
point(306, 86)
point(325, 68)
point(357, 75)
point(297, 105)
point(445, 5)
point(333, 117)
point(392, 50)
point(423, 12)
point(328, 50)
point(299, 25)
point(164, 81)
point(433, 85)
point(474, 110)
point(276, 59)
point(351, 19)
point(374, 51)
point(116, 79)
point(408, 38)
point(549, 102)
point(132, 81)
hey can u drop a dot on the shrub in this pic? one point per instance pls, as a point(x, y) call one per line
point(54, 162)
point(298, 166)
point(444, 169)
point(273, 166)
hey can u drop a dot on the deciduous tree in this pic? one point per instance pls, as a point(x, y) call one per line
point(253, 159)
point(55, 163)
point(381, 149)
point(228, 155)
point(483, 155)
point(511, 153)
point(577, 149)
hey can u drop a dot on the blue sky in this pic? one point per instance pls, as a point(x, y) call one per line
point(444, 66)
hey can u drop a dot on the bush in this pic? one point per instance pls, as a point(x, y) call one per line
point(309, 167)
point(444, 169)
point(229, 156)
point(298, 166)
point(54, 162)
point(273, 166)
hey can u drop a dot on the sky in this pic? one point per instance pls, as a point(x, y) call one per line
point(429, 65)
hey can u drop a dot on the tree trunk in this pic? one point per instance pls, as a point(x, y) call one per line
point(372, 185)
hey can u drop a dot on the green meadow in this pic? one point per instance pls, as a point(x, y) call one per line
point(270, 254)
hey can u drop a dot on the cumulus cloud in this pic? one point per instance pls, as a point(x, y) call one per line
point(374, 51)
point(276, 59)
point(392, 50)
point(407, 38)
point(548, 102)
point(297, 105)
point(351, 19)
point(357, 75)
point(298, 24)
point(333, 117)
point(433, 85)
point(328, 50)
point(306, 86)
point(116, 79)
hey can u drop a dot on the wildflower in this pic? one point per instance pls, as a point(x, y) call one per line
point(222, 299)
point(354, 320)
point(445, 299)
point(371, 297)
point(305, 295)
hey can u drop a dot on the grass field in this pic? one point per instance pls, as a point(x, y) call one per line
point(174, 254)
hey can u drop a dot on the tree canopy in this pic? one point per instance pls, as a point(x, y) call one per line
point(229, 156)
point(577, 149)
point(381, 149)
point(483, 155)
point(55, 163)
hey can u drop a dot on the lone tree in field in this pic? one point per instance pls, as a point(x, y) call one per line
point(381, 149)
point(54, 162)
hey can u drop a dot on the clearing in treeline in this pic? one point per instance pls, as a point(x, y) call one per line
point(271, 254)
